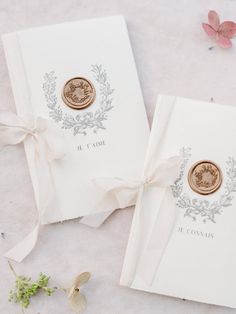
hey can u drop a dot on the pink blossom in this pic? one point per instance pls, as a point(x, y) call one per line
point(220, 32)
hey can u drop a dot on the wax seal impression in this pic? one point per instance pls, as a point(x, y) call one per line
point(205, 177)
point(78, 93)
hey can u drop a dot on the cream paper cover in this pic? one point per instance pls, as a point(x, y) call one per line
point(188, 252)
point(98, 141)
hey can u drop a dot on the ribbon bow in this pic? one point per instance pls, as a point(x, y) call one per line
point(150, 233)
point(125, 191)
point(160, 178)
point(44, 145)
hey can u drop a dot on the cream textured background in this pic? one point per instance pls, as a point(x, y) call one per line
point(172, 56)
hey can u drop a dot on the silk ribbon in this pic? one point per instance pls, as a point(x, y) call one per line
point(125, 191)
point(155, 211)
point(45, 146)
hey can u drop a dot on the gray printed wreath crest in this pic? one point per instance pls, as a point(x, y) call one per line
point(195, 208)
point(80, 123)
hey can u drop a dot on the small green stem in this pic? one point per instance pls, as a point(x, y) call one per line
point(62, 289)
point(12, 269)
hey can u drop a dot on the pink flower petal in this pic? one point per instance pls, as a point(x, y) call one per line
point(209, 30)
point(214, 20)
point(227, 29)
point(223, 42)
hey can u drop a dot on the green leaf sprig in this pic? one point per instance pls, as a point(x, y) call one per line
point(25, 288)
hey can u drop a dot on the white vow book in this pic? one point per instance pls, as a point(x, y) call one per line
point(188, 252)
point(108, 138)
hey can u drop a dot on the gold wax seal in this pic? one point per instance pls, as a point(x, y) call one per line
point(205, 177)
point(78, 93)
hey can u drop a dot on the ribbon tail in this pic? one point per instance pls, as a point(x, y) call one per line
point(96, 220)
point(45, 200)
point(118, 193)
point(159, 239)
point(23, 248)
point(135, 241)
point(41, 150)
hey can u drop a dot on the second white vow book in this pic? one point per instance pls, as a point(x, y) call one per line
point(199, 257)
point(106, 139)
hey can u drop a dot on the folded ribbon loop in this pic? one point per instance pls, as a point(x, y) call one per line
point(46, 146)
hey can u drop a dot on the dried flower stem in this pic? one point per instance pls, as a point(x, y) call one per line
point(12, 269)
